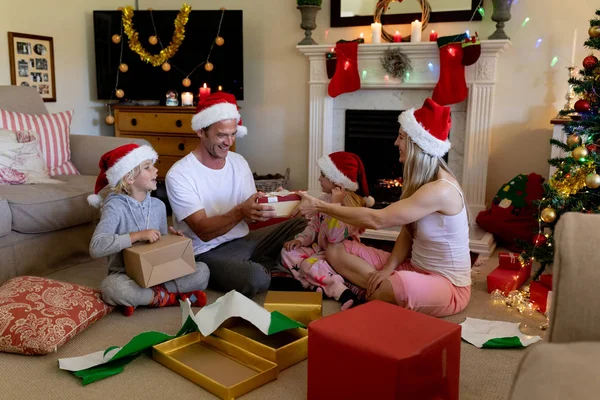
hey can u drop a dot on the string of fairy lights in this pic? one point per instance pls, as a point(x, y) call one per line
point(163, 58)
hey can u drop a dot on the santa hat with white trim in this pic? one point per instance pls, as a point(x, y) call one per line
point(117, 163)
point(217, 107)
point(346, 170)
point(428, 127)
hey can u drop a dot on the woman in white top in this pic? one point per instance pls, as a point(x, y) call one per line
point(429, 268)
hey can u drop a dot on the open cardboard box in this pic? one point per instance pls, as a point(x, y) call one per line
point(150, 264)
point(222, 368)
point(284, 348)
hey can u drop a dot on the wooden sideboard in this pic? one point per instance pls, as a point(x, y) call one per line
point(168, 129)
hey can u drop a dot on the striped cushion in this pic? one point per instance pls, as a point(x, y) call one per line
point(53, 130)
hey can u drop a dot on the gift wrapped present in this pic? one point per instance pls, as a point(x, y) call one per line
point(546, 280)
point(303, 307)
point(507, 280)
point(509, 260)
point(540, 295)
point(284, 202)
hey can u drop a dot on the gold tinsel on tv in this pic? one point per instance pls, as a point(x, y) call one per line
point(573, 183)
point(166, 53)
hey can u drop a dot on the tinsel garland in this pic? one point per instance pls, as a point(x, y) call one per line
point(166, 53)
point(570, 185)
point(396, 63)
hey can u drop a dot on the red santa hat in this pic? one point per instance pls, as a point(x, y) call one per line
point(117, 163)
point(217, 107)
point(428, 127)
point(347, 170)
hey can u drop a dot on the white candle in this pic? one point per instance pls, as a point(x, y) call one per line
point(187, 99)
point(415, 31)
point(574, 46)
point(375, 32)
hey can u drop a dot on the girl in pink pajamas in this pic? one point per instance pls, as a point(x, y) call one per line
point(305, 255)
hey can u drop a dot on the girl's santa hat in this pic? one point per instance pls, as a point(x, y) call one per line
point(217, 107)
point(428, 127)
point(347, 170)
point(117, 163)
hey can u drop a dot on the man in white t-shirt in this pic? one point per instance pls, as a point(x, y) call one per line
point(213, 197)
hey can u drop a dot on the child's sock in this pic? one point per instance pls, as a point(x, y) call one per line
point(162, 297)
point(348, 300)
point(197, 298)
point(127, 310)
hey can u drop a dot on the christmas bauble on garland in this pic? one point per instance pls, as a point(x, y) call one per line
point(579, 153)
point(592, 181)
point(573, 140)
point(590, 62)
point(594, 31)
point(582, 106)
point(539, 240)
point(548, 214)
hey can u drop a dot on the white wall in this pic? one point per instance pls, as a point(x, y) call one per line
point(275, 108)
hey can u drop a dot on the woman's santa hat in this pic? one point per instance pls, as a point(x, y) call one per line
point(217, 107)
point(347, 170)
point(428, 127)
point(117, 163)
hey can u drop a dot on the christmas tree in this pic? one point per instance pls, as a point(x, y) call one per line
point(574, 185)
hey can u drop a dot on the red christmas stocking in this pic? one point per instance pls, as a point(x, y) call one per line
point(471, 50)
point(346, 78)
point(452, 86)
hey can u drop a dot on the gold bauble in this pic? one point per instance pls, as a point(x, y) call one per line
point(152, 40)
point(119, 93)
point(572, 140)
point(548, 214)
point(594, 31)
point(219, 41)
point(116, 38)
point(592, 181)
point(123, 67)
point(166, 67)
point(186, 82)
point(109, 119)
point(580, 152)
point(209, 67)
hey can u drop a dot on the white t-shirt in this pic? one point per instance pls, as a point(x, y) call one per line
point(191, 186)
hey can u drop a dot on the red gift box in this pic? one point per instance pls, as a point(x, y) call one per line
point(284, 205)
point(540, 295)
point(509, 260)
point(546, 280)
point(507, 280)
point(382, 351)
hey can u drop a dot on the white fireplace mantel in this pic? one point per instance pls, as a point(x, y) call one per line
point(472, 133)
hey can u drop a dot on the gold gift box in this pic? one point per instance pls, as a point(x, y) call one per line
point(284, 348)
point(303, 307)
point(221, 368)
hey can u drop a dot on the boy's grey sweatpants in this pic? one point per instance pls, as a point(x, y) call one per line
point(120, 290)
point(245, 264)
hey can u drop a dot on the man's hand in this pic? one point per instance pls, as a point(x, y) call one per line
point(292, 244)
point(172, 231)
point(148, 235)
point(376, 279)
point(255, 211)
point(337, 194)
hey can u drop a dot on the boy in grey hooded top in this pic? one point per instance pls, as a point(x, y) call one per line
point(129, 215)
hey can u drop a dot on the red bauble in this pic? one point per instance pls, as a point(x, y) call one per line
point(592, 148)
point(582, 106)
point(539, 239)
point(590, 62)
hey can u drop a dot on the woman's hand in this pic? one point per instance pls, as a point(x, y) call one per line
point(376, 279)
point(308, 205)
point(337, 194)
point(292, 244)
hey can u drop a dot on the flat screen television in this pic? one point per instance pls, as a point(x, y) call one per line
point(143, 81)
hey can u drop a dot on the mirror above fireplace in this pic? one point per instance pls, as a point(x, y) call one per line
point(360, 12)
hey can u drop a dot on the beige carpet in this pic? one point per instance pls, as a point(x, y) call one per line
point(485, 374)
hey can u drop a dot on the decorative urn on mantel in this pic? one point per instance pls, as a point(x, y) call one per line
point(500, 16)
point(309, 10)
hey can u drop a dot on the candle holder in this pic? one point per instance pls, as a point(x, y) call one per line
point(570, 97)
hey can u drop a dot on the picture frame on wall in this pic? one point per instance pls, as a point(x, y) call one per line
point(32, 63)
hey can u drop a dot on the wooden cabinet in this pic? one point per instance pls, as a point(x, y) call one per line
point(168, 129)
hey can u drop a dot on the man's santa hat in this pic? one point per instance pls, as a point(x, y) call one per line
point(428, 127)
point(217, 107)
point(117, 163)
point(346, 170)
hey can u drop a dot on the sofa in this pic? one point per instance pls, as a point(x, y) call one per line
point(567, 366)
point(47, 227)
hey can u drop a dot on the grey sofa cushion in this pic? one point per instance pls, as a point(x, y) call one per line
point(558, 371)
point(49, 207)
point(5, 217)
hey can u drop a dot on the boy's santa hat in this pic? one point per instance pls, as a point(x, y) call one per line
point(347, 170)
point(117, 163)
point(428, 127)
point(217, 107)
